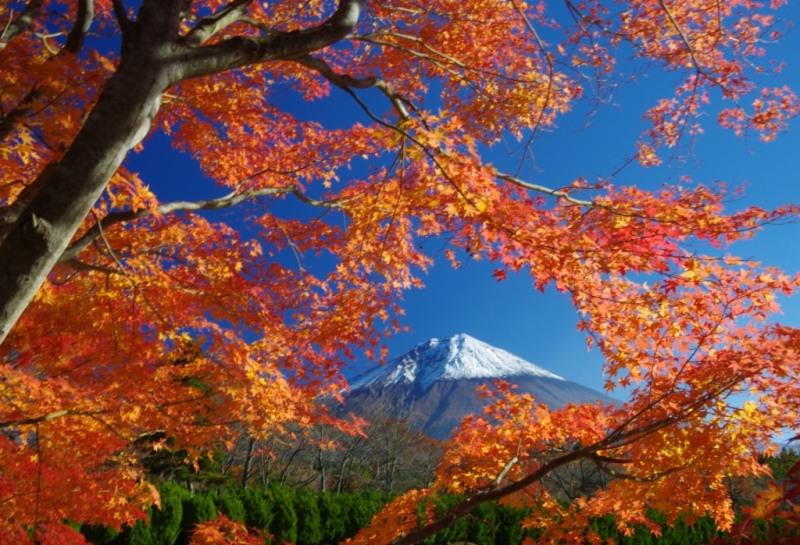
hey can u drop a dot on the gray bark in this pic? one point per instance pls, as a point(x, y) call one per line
point(119, 121)
point(154, 57)
point(21, 24)
point(83, 21)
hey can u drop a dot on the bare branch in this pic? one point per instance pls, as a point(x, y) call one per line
point(129, 215)
point(543, 189)
point(416, 40)
point(208, 26)
point(601, 463)
point(131, 279)
point(680, 32)
point(81, 266)
point(314, 202)
point(345, 81)
point(550, 74)
point(441, 60)
point(502, 475)
point(220, 203)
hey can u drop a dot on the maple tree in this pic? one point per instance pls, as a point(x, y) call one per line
point(127, 320)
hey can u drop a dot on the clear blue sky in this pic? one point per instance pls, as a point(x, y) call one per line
point(511, 314)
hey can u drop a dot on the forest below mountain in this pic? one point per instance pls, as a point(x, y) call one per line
point(320, 487)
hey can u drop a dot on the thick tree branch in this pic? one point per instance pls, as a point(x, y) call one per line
point(119, 120)
point(121, 14)
point(208, 26)
point(19, 25)
point(83, 20)
point(235, 52)
point(153, 58)
point(157, 22)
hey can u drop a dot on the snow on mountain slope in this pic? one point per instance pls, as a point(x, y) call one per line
point(432, 386)
point(455, 358)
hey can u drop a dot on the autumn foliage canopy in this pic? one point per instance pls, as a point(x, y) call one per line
point(125, 317)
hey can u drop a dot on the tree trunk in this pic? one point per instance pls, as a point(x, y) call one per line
point(153, 58)
point(251, 442)
point(120, 120)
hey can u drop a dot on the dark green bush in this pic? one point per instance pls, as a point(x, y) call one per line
point(308, 518)
point(139, 534)
point(257, 509)
point(165, 523)
point(98, 535)
point(196, 509)
point(309, 522)
point(229, 504)
point(331, 511)
point(357, 512)
point(283, 526)
point(481, 524)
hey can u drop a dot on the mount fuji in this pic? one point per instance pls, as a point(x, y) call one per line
point(433, 384)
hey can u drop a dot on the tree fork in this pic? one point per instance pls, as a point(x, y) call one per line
point(153, 58)
point(120, 120)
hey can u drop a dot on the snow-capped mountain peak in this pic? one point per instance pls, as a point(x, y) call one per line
point(454, 358)
point(433, 385)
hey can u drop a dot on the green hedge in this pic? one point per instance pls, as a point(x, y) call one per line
point(308, 518)
point(196, 509)
point(290, 516)
point(284, 518)
point(257, 508)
